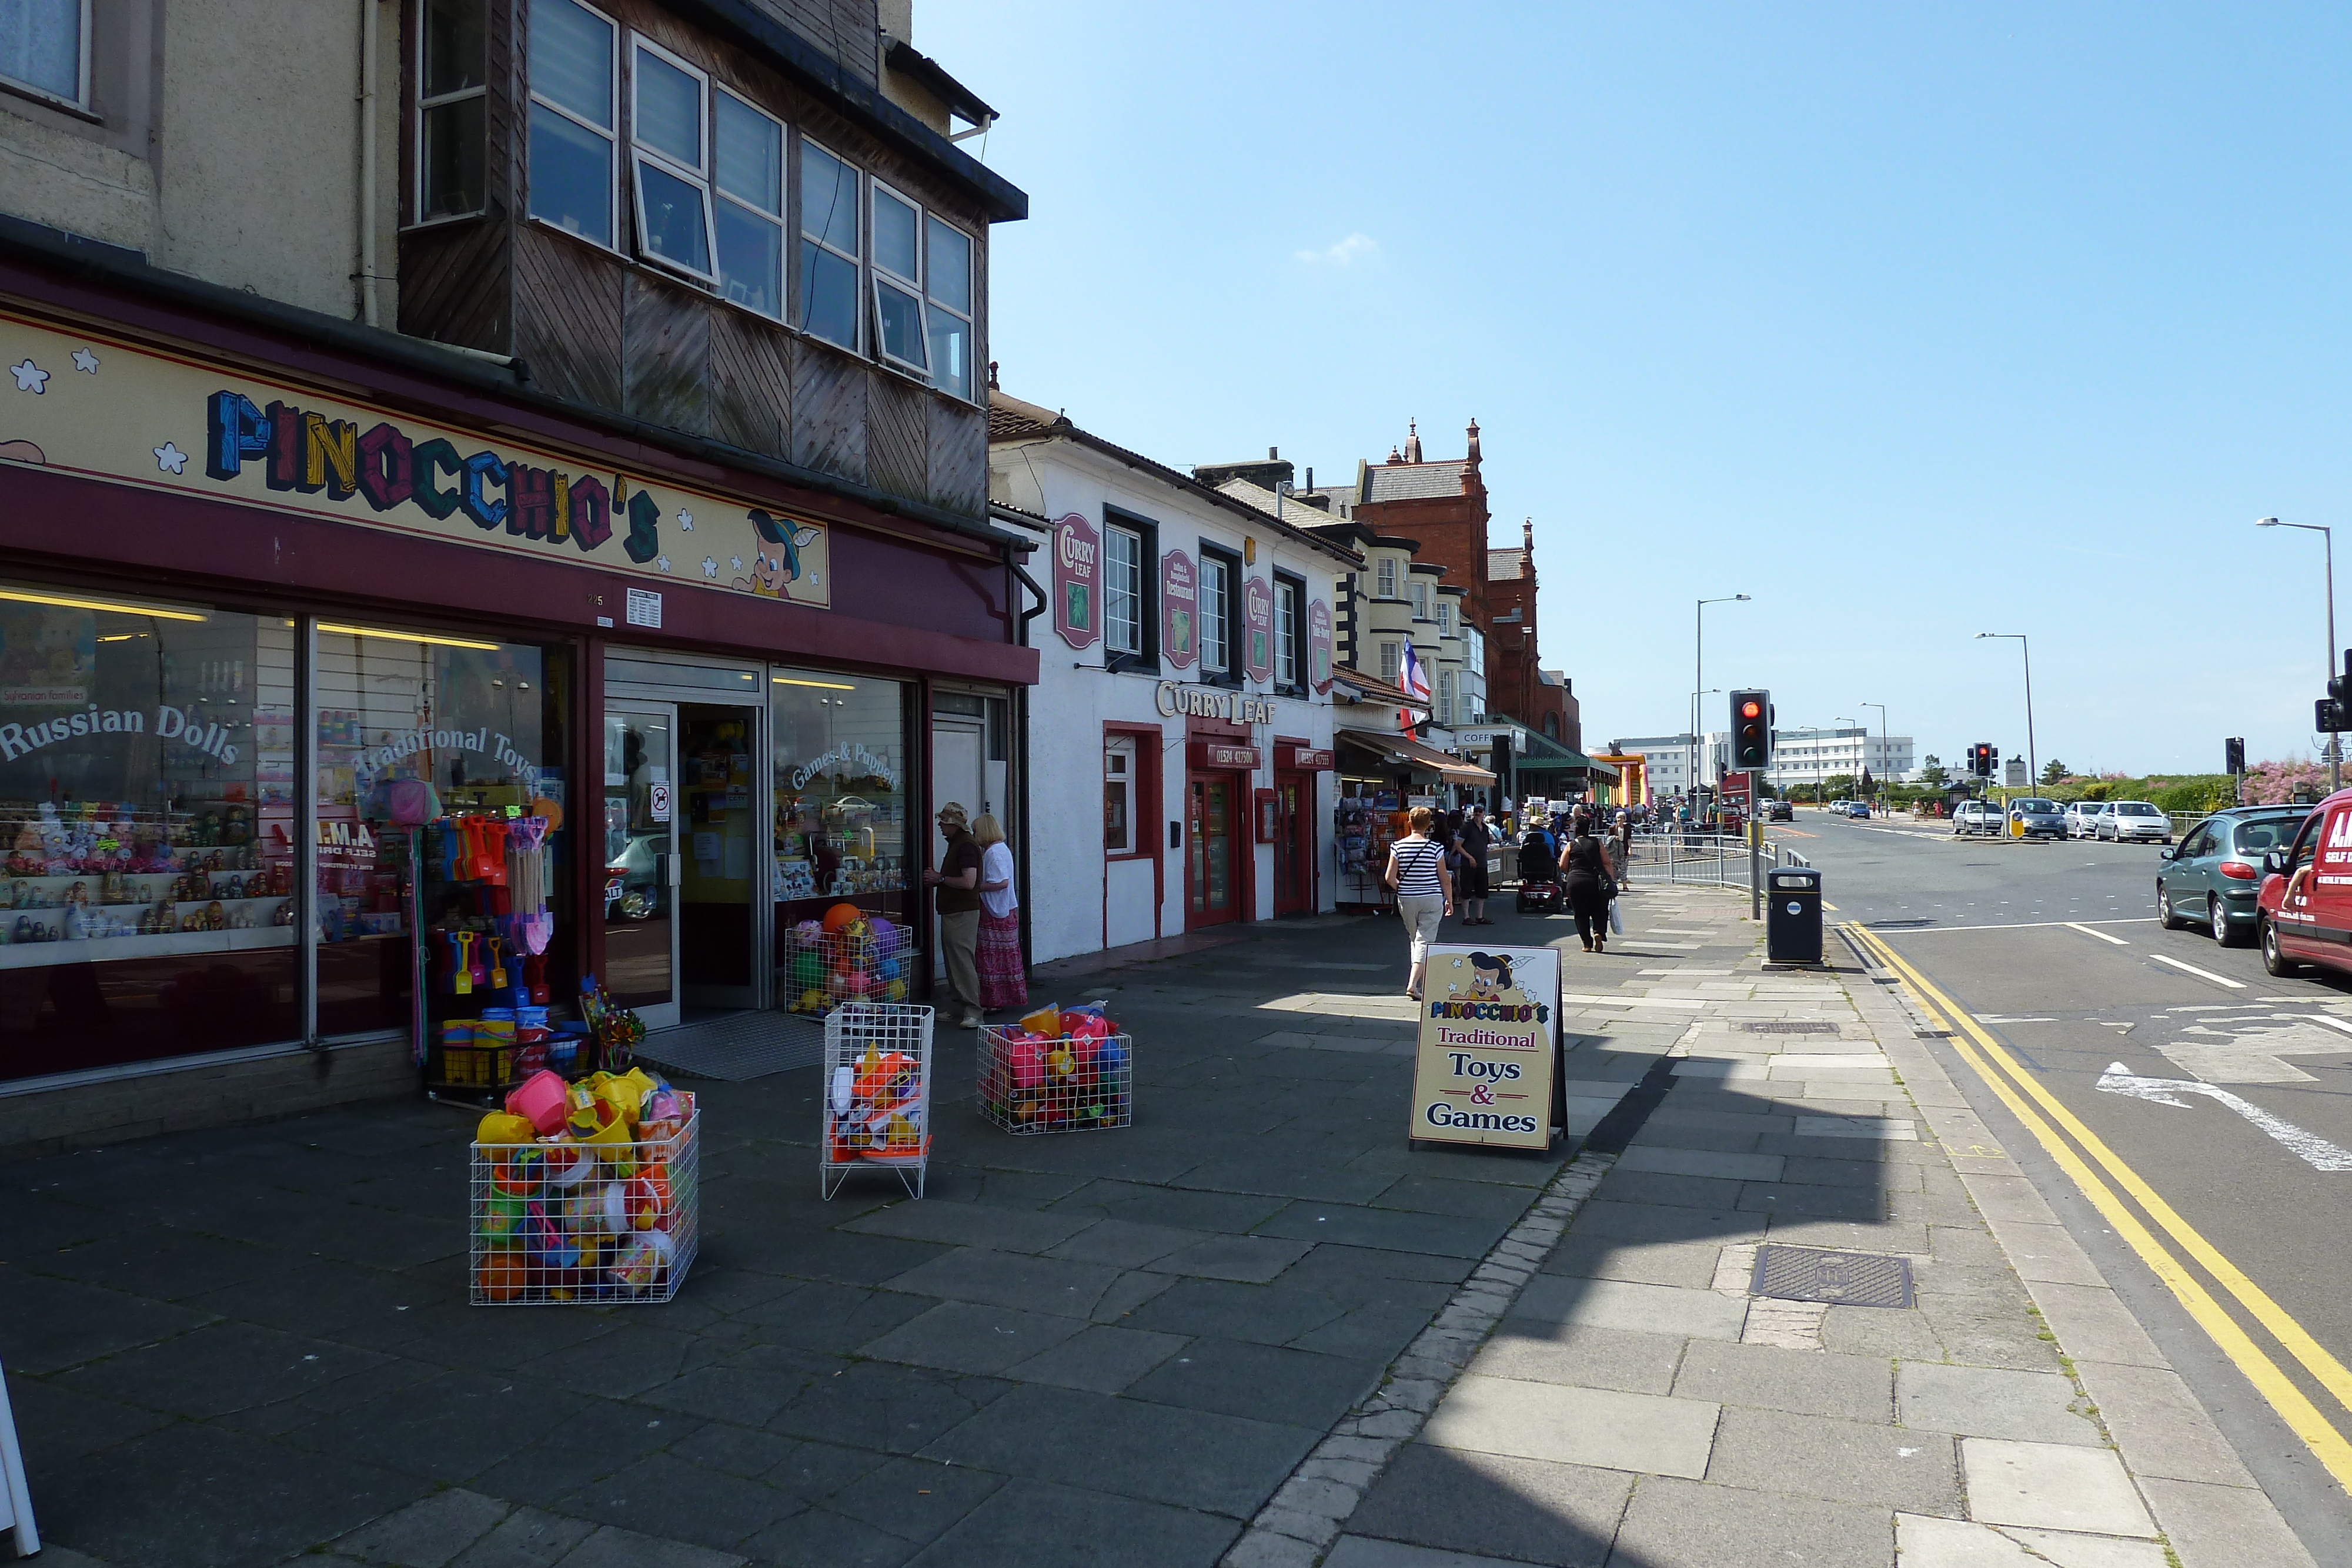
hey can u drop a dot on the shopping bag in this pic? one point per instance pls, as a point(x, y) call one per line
point(1616, 919)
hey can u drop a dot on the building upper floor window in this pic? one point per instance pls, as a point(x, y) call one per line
point(45, 48)
point(1386, 578)
point(574, 57)
point(1445, 617)
point(922, 292)
point(748, 158)
point(670, 162)
point(1447, 687)
point(1216, 615)
point(453, 75)
point(1474, 645)
point(831, 222)
point(1421, 601)
point(1287, 618)
point(1122, 590)
point(1392, 662)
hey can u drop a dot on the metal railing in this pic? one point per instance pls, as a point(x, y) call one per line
point(1709, 859)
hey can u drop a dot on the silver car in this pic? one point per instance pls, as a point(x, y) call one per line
point(2039, 817)
point(2083, 819)
point(2135, 822)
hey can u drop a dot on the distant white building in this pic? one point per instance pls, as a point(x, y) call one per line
point(1800, 758)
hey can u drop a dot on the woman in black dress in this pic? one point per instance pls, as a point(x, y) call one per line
point(1585, 874)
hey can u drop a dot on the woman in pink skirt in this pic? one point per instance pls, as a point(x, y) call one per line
point(1004, 976)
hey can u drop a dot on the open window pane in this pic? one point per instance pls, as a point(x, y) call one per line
point(750, 149)
point(897, 247)
point(950, 278)
point(40, 45)
point(828, 296)
point(829, 202)
point(455, 46)
point(669, 110)
point(951, 353)
point(900, 316)
point(571, 59)
point(571, 176)
point(670, 212)
point(750, 260)
point(452, 155)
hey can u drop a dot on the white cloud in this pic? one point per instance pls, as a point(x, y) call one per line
point(1347, 253)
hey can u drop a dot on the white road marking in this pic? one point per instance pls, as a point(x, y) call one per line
point(2107, 1023)
point(2078, 925)
point(2020, 926)
point(2315, 1150)
point(2191, 968)
point(2250, 1050)
point(1998, 1017)
point(2327, 1018)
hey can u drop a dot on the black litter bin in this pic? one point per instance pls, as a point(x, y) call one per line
point(1792, 916)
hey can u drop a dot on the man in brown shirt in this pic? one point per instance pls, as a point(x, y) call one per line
point(955, 895)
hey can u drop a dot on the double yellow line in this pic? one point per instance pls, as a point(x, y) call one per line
point(2038, 1109)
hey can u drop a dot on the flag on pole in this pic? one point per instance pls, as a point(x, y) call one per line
point(1414, 681)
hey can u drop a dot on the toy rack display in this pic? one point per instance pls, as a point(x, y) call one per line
point(587, 1222)
point(1363, 827)
point(483, 935)
point(1080, 1077)
point(120, 881)
point(877, 1093)
point(848, 957)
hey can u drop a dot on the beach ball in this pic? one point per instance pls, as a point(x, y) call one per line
point(886, 936)
point(841, 915)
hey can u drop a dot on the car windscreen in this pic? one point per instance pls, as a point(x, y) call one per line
point(2039, 808)
point(2134, 809)
point(2265, 833)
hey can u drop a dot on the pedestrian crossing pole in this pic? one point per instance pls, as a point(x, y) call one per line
point(1755, 859)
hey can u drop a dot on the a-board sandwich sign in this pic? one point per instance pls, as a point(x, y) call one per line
point(1488, 1048)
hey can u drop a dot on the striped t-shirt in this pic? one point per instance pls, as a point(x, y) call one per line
point(1417, 869)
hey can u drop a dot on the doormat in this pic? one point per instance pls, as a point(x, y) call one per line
point(1842, 1279)
point(735, 1047)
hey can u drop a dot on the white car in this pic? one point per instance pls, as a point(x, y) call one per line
point(2083, 819)
point(1979, 816)
point(2134, 821)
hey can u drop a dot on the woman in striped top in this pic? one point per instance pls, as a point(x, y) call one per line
point(1424, 890)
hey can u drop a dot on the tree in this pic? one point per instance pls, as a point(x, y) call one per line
point(1839, 784)
point(1933, 773)
point(2053, 771)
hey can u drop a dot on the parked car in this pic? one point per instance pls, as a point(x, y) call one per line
point(1780, 812)
point(2041, 819)
point(2134, 821)
point(2213, 878)
point(2083, 819)
point(1977, 817)
point(2304, 917)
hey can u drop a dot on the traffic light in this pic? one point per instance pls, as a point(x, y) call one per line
point(1752, 729)
point(1983, 759)
point(2331, 715)
point(2233, 754)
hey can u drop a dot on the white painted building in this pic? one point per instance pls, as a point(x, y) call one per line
point(1179, 740)
point(1803, 757)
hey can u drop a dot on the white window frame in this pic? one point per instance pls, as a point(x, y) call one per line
point(611, 138)
point(1385, 582)
point(1214, 610)
point(971, 292)
point(796, 309)
point(779, 220)
point(1445, 616)
point(698, 178)
point(79, 102)
point(1446, 687)
point(416, 194)
point(878, 275)
point(1287, 612)
point(1419, 598)
point(1391, 662)
point(1122, 748)
point(1112, 593)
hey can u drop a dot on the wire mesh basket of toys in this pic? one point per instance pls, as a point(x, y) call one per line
point(1060, 1070)
point(877, 1093)
point(586, 1192)
point(847, 956)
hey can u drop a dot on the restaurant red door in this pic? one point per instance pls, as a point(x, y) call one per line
point(1294, 843)
point(1212, 853)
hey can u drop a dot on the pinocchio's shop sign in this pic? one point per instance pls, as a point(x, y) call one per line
point(1489, 1047)
point(101, 408)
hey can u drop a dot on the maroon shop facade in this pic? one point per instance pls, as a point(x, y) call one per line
point(259, 579)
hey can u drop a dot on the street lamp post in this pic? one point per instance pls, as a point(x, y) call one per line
point(1841, 718)
point(2335, 746)
point(1698, 675)
point(2033, 762)
point(1882, 742)
point(1690, 785)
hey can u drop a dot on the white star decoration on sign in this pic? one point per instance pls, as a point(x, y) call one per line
point(736, 562)
point(85, 361)
point(662, 561)
point(709, 568)
point(170, 459)
point(30, 378)
point(685, 519)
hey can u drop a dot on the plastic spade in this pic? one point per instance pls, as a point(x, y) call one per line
point(497, 965)
point(462, 980)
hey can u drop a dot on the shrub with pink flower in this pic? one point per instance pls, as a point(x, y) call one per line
point(2276, 783)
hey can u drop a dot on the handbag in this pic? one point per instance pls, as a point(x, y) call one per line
point(1616, 919)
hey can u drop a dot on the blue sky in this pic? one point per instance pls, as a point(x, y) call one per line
point(1910, 321)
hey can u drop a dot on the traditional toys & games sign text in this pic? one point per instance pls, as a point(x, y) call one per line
point(1482, 1072)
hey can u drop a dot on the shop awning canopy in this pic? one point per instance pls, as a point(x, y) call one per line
point(1545, 754)
point(1397, 750)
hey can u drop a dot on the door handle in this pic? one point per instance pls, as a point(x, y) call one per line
point(677, 868)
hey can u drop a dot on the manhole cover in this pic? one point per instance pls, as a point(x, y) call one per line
point(1843, 1278)
point(1786, 1026)
point(1933, 1033)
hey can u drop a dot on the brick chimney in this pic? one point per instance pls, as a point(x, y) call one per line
point(1412, 441)
point(1473, 441)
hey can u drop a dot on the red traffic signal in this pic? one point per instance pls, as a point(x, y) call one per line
point(1751, 708)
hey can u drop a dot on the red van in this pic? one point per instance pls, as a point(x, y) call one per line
point(2305, 909)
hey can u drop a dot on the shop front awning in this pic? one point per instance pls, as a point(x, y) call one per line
point(1545, 754)
point(1398, 752)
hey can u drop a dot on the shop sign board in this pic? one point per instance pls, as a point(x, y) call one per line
point(1180, 598)
point(1174, 698)
point(1257, 620)
point(1318, 646)
point(1078, 576)
point(103, 408)
point(1488, 1053)
point(1305, 759)
point(1220, 755)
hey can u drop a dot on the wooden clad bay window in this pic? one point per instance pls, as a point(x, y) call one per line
point(574, 54)
point(747, 144)
point(949, 310)
point(451, 105)
point(830, 227)
point(670, 164)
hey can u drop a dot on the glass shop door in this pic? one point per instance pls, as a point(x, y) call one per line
point(641, 859)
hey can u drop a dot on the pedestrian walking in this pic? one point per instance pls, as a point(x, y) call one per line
point(1416, 870)
point(1004, 973)
point(1470, 880)
point(956, 896)
point(1584, 872)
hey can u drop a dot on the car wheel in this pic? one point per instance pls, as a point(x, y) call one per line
point(2217, 921)
point(2165, 916)
point(2275, 964)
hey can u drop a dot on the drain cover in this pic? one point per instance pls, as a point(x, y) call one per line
point(1845, 1279)
point(1787, 1025)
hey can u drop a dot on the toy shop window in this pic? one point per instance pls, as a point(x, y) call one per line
point(839, 770)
